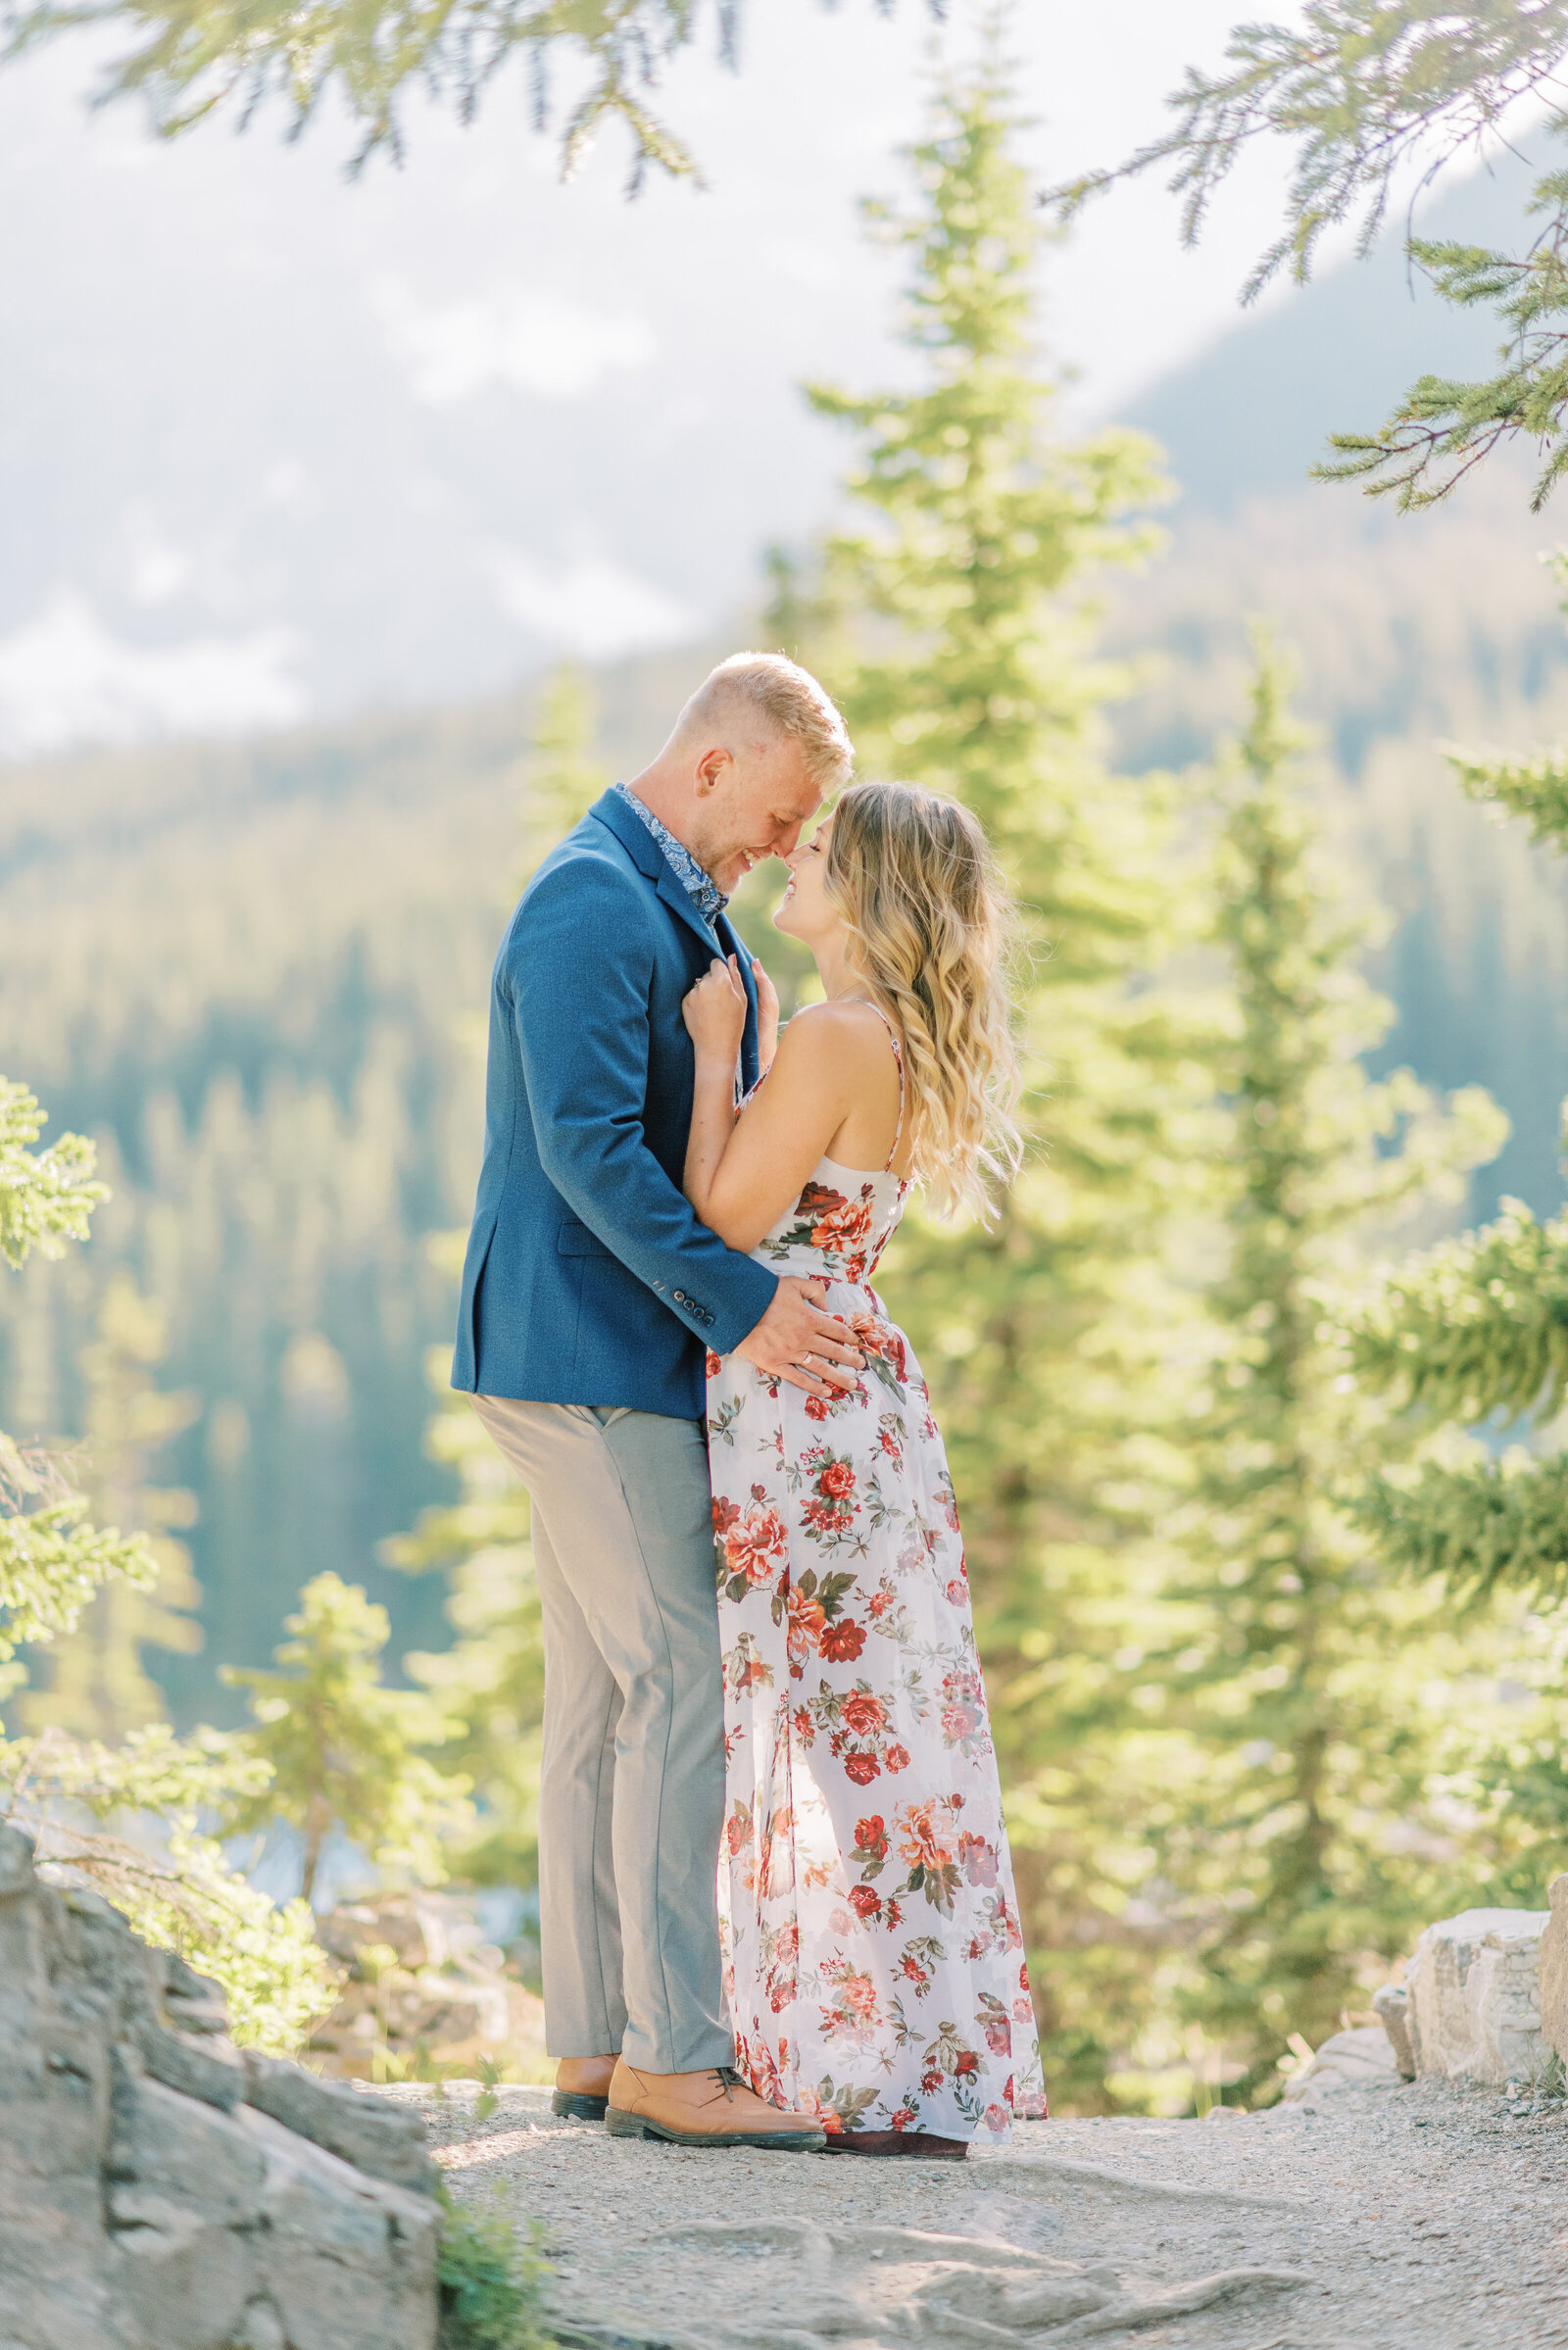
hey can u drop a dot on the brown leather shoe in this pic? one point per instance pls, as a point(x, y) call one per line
point(714, 2108)
point(923, 2145)
point(583, 2088)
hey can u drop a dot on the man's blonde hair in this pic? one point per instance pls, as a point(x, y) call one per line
point(784, 700)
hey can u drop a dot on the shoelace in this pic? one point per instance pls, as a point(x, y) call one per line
point(729, 2080)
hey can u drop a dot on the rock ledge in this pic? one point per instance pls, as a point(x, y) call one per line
point(160, 2189)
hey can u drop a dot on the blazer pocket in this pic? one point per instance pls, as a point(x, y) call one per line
point(575, 1240)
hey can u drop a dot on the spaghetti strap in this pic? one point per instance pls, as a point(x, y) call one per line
point(897, 1062)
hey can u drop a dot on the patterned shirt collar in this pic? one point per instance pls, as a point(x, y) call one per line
point(699, 885)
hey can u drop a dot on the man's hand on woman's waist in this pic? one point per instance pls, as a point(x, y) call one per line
point(799, 1341)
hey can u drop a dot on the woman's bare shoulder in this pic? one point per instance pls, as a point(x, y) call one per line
point(832, 1043)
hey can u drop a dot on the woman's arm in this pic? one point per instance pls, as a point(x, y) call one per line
point(766, 1017)
point(743, 1170)
point(715, 1013)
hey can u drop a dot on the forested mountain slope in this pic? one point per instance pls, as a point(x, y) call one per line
point(244, 969)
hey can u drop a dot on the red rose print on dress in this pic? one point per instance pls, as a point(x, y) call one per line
point(752, 1542)
point(780, 1952)
point(996, 2024)
point(929, 1845)
point(852, 2010)
point(863, 1713)
point(871, 1838)
point(829, 1511)
point(839, 1226)
point(965, 1722)
point(977, 1859)
point(807, 1620)
point(887, 1359)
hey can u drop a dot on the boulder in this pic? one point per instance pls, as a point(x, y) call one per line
point(146, 2201)
point(422, 1984)
point(1474, 2009)
point(1555, 1969)
point(382, 2139)
point(1358, 2059)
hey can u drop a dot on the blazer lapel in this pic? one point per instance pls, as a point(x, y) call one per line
point(721, 939)
point(649, 859)
point(680, 901)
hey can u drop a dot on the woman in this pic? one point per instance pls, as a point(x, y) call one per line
point(865, 1891)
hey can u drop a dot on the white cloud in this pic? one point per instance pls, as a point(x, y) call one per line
point(65, 679)
point(526, 339)
point(158, 571)
point(590, 607)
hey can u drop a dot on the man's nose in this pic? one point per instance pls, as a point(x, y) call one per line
point(787, 839)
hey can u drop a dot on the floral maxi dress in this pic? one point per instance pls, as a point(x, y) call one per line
point(873, 1956)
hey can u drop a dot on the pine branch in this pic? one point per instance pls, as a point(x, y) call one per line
point(191, 59)
point(46, 1197)
point(1486, 1527)
point(1476, 1327)
point(1535, 789)
point(1367, 88)
point(51, 1565)
point(1368, 92)
point(1443, 428)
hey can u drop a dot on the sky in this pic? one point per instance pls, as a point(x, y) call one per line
point(277, 444)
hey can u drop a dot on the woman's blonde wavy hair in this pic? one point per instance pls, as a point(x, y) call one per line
point(913, 878)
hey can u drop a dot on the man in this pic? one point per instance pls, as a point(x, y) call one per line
point(590, 1296)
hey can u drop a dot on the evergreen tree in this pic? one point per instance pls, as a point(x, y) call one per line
point(1291, 1680)
point(1477, 1331)
point(96, 1683)
point(343, 1751)
point(952, 627)
point(561, 777)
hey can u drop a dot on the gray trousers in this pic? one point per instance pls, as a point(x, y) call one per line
point(631, 1795)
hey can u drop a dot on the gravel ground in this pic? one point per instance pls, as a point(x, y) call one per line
point(1428, 2217)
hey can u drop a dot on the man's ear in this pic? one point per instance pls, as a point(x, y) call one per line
point(710, 769)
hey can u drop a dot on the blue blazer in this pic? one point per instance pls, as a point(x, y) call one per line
point(588, 1277)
